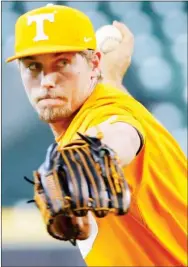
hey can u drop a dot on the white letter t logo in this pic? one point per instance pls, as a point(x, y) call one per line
point(39, 19)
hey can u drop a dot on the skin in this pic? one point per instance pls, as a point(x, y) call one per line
point(57, 85)
point(115, 64)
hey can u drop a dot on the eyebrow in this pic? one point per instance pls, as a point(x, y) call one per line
point(55, 55)
point(28, 58)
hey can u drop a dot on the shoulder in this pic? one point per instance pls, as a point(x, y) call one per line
point(107, 96)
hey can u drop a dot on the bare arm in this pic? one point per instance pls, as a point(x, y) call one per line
point(121, 137)
point(125, 141)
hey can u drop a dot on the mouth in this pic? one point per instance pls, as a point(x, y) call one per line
point(51, 101)
point(50, 97)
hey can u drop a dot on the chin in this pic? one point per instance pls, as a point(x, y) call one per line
point(54, 115)
point(50, 120)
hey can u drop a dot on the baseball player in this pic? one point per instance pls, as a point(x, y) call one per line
point(114, 172)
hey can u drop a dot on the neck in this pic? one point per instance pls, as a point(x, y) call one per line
point(60, 127)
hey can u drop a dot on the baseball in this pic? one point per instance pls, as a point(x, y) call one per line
point(108, 37)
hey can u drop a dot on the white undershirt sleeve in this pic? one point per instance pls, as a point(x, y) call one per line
point(85, 246)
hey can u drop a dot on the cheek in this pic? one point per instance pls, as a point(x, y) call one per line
point(81, 89)
point(25, 82)
point(78, 81)
point(83, 77)
point(29, 83)
point(31, 90)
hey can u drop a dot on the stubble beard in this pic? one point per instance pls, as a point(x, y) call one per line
point(55, 114)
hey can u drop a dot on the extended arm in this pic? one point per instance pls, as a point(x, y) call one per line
point(123, 138)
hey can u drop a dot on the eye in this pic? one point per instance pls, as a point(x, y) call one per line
point(34, 66)
point(63, 62)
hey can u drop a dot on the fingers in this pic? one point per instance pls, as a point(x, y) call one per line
point(128, 37)
point(125, 31)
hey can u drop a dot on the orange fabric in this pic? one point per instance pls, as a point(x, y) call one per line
point(153, 233)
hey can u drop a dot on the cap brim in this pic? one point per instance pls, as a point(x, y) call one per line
point(45, 50)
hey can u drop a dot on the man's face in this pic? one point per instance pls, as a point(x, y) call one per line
point(56, 84)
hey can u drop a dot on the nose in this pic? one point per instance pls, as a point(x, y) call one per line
point(49, 80)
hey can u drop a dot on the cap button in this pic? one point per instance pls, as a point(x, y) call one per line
point(50, 4)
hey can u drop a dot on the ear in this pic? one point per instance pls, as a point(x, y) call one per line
point(96, 69)
point(96, 59)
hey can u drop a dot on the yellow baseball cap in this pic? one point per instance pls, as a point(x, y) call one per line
point(52, 29)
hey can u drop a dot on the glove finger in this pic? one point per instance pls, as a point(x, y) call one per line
point(76, 183)
point(41, 199)
point(121, 201)
point(110, 185)
point(98, 190)
point(50, 155)
point(54, 193)
point(126, 193)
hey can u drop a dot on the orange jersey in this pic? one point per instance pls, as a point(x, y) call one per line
point(153, 233)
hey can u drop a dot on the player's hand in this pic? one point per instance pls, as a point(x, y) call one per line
point(114, 64)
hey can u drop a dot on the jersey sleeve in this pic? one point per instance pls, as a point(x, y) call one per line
point(120, 116)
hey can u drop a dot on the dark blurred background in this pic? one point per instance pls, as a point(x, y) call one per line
point(157, 78)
